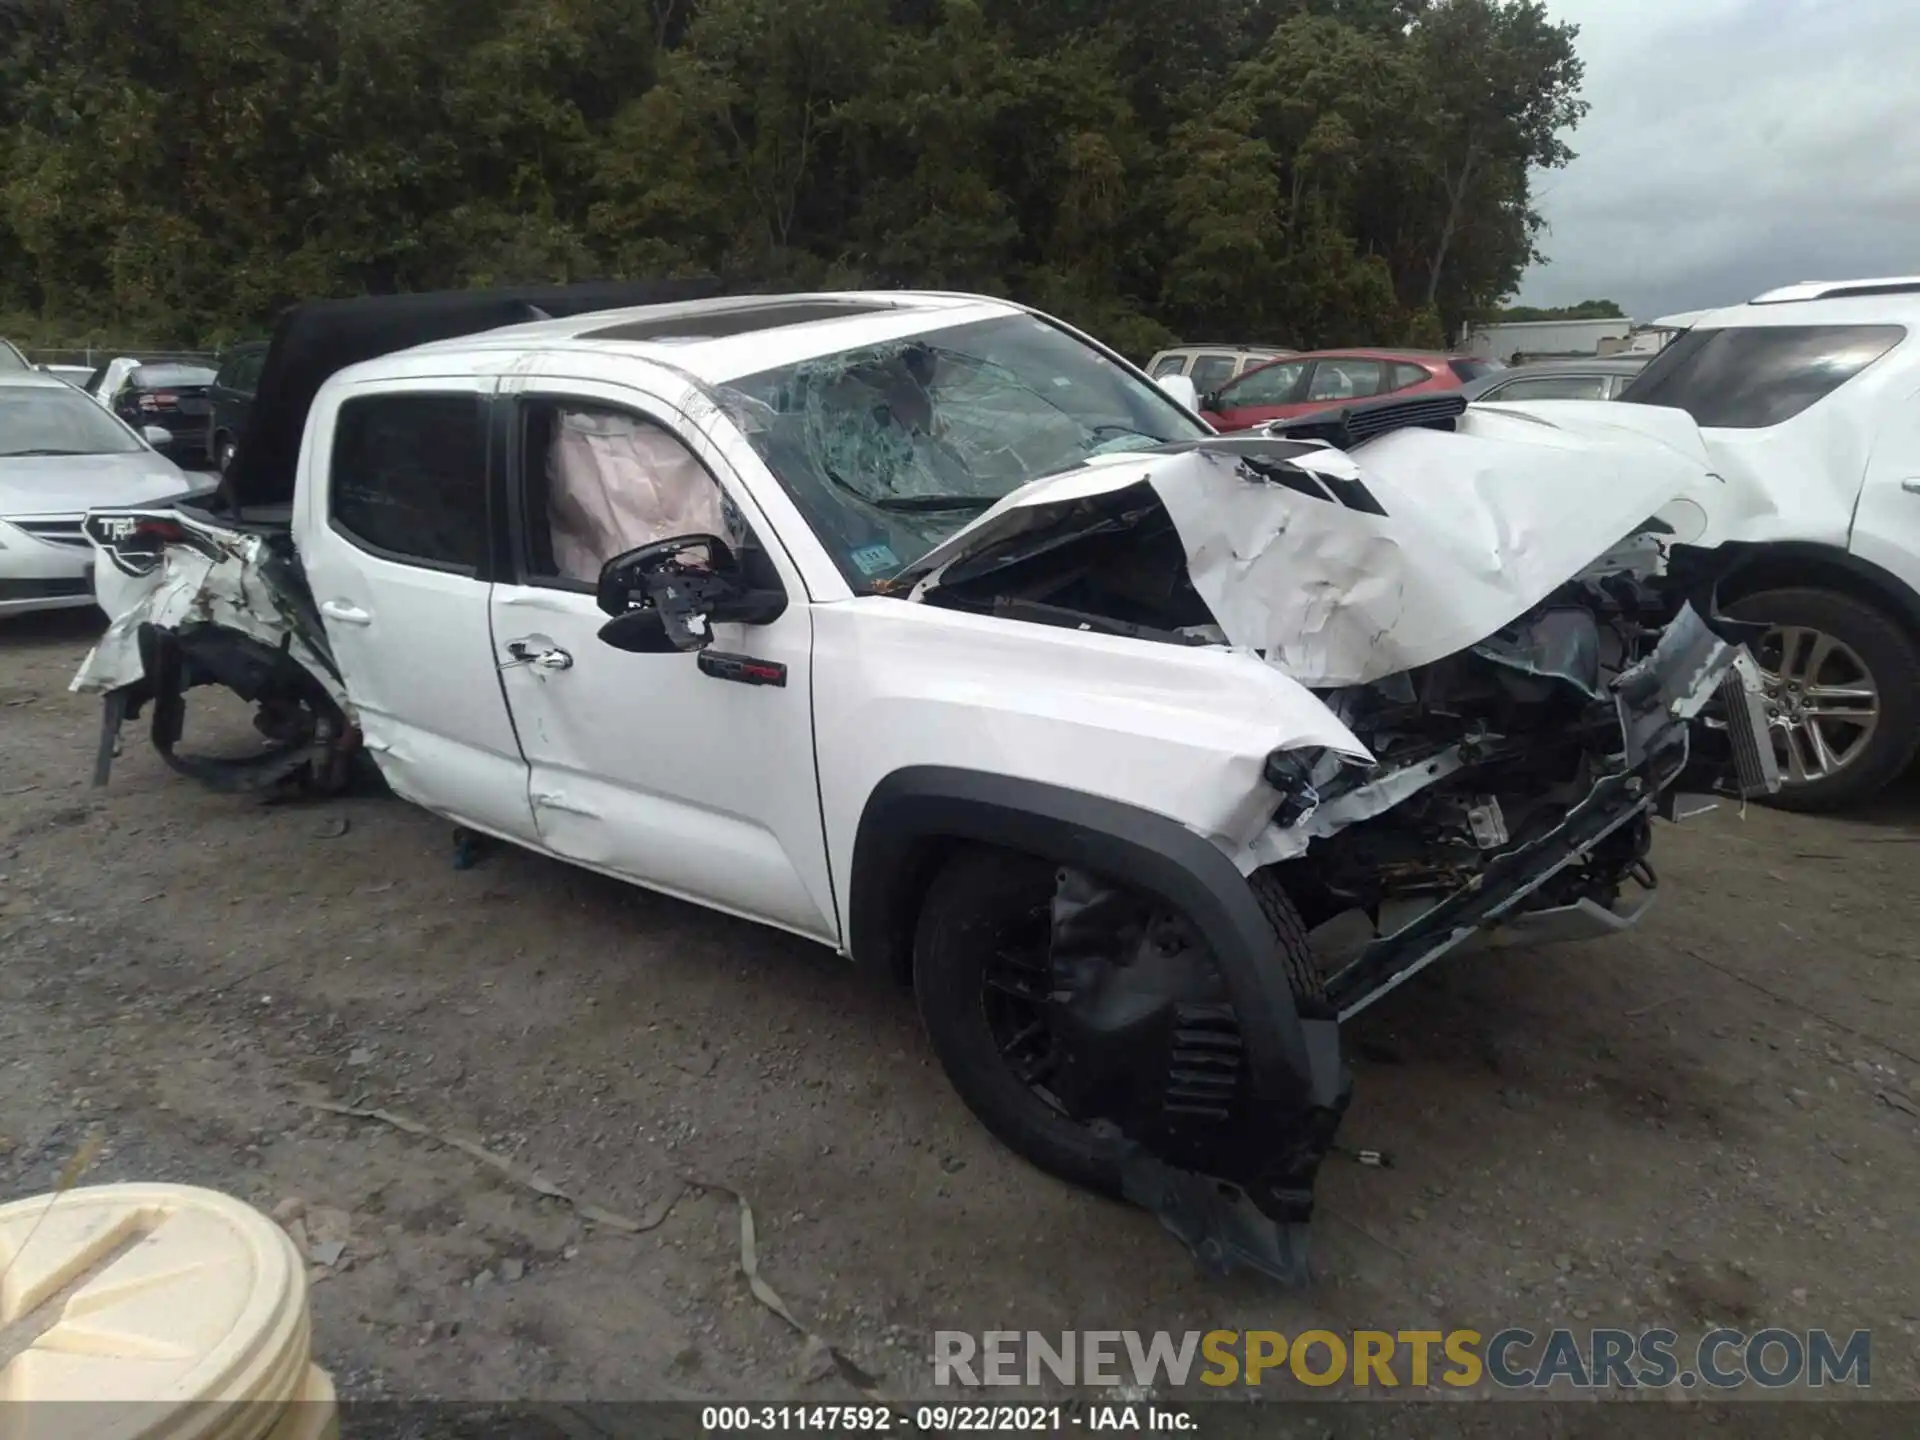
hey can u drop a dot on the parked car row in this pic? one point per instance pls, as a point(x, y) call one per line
point(61, 455)
point(1596, 379)
point(1246, 386)
point(1319, 380)
point(170, 397)
point(1211, 366)
point(201, 408)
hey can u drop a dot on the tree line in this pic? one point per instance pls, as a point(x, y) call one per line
point(1300, 172)
point(1585, 310)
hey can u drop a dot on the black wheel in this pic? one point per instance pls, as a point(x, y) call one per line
point(1843, 694)
point(984, 982)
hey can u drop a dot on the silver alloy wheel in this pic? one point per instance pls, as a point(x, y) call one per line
point(1822, 702)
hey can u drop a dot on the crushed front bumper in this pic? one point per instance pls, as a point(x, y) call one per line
point(1660, 701)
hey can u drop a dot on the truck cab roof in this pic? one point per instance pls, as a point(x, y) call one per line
point(721, 339)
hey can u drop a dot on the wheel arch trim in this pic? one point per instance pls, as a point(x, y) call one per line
point(915, 813)
point(1749, 568)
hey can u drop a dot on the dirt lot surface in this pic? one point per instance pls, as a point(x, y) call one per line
point(1710, 1120)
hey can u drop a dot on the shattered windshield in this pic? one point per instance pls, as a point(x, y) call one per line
point(891, 448)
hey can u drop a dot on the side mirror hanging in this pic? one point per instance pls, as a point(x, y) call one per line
point(688, 583)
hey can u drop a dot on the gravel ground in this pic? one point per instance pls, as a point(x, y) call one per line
point(1709, 1120)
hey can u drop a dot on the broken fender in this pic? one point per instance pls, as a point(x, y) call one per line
point(196, 603)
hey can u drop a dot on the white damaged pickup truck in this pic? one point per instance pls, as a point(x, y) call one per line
point(927, 628)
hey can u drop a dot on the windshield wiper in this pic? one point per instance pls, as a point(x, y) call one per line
point(976, 503)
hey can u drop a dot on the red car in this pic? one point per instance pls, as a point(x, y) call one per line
point(1328, 379)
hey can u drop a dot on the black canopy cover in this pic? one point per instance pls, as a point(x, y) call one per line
point(312, 342)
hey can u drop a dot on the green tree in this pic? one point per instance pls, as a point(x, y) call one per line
point(1308, 171)
point(1585, 310)
point(1500, 84)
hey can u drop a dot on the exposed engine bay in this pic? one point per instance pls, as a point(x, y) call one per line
point(1479, 757)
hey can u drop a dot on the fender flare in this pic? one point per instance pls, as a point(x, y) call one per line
point(1738, 566)
point(1293, 1060)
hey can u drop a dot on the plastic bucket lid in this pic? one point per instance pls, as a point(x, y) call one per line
point(314, 1416)
point(162, 1312)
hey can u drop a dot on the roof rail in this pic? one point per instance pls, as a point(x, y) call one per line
point(1839, 289)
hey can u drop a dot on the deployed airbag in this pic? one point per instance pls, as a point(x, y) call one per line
point(616, 483)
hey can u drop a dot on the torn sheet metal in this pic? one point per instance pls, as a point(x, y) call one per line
point(1285, 842)
point(1477, 529)
point(1656, 702)
point(217, 577)
point(1561, 644)
point(1683, 674)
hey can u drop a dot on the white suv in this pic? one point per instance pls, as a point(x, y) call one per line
point(1807, 402)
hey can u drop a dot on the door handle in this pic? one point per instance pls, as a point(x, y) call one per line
point(345, 613)
point(1912, 487)
point(524, 654)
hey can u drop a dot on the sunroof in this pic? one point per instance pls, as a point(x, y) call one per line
point(718, 324)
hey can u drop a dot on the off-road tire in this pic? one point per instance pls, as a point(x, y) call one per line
point(1888, 652)
point(1291, 946)
point(978, 891)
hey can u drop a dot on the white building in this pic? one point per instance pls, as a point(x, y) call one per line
point(1547, 339)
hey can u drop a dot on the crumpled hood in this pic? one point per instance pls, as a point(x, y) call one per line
point(1479, 525)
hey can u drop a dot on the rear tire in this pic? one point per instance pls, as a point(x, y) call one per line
point(982, 902)
point(1868, 640)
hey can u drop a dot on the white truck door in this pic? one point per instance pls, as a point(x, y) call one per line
point(1886, 522)
point(392, 531)
point(662, 769)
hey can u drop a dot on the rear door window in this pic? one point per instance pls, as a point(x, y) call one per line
point(170, 377)
point(1405, 374)
point(1273, 385)
point(1470, 370)
point(1210, 372)
point(409, 479)
point(237, 372)
point(1552, 387)
point(1346, 379)
point(1748, 379)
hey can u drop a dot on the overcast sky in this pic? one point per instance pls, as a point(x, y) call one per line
point(1734, 145)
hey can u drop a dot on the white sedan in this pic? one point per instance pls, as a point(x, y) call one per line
point(60, 456)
